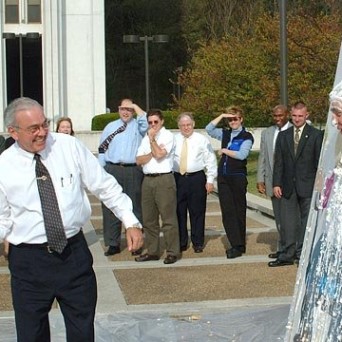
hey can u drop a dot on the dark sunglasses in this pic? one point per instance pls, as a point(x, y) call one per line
point(153, 122)
point(233, 119)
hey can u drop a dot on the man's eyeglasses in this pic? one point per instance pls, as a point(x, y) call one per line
point(233, 119)
point(186, 125)
point(35, 128)
point(131, 110)
point(153, 122)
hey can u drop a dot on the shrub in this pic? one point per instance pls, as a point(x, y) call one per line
point(99, 122)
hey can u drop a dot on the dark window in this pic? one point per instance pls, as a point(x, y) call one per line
point(31, 73)
point(33, 11)
point(11, 12)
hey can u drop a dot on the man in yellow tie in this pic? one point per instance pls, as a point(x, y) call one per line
point(195, 169)
point(183, 162)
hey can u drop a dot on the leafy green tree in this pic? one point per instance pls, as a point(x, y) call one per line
point(237, 30)
point(244, 69)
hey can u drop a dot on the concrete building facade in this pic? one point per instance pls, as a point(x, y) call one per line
point(54, 52)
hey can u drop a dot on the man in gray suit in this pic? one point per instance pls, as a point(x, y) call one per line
point(296, 159)
point(280, 115)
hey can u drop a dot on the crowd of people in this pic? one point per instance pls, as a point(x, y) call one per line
point(168, 177)
point(148, 180)
point(164, 181)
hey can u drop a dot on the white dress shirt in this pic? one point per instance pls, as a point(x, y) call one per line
point(277, 130)
point(166, 140)
point(200, 155)
point(300, 131)
point(72, 168)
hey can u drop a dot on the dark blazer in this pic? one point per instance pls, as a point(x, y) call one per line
point(2, 144)
point(297, 172)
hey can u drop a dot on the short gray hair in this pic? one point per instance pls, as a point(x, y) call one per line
point(17, 105)
point(185, 115)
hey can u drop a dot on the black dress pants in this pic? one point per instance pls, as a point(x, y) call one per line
point(38, 277)
point(130, 178)
point(192, 197)
point(232, 195)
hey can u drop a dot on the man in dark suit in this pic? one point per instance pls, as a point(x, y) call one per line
point(2, 144)
point(296, 159)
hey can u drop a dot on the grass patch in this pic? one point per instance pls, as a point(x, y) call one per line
point(252, 168)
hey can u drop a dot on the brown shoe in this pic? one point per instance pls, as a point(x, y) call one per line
point(146, 257)
point(170, 259)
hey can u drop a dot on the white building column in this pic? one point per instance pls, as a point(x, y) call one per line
point(84, 60)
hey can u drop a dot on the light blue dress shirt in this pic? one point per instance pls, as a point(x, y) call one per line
point(123, 148)
point(216, 133)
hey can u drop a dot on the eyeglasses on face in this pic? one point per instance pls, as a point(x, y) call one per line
point(131, 110)
point(153, 122)
point(233, 119)
point(186, 125)
point(35, 128)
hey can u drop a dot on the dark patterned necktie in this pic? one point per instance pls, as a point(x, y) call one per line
point(52, 216)
point(104, 145)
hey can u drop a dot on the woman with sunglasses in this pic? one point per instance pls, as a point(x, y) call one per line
point(236, 144)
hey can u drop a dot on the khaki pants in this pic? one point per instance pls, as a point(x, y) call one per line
point(159, 199)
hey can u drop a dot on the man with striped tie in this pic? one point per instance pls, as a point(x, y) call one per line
point(119, 144)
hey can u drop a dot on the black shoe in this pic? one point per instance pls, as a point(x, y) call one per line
point(112, 250)
point(198, 249)
point(170, 259)
point(138, 251)
point(278, 263)
point(184, 248)
point(242, 249)
point(146, 257)
point(233, 253)
point(274, 255)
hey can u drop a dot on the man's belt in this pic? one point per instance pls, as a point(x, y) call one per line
point(123, 164)
point(189, 174)
point(157, 174)
point(46, 246)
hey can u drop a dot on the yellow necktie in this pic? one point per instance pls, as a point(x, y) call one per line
point(183, 158)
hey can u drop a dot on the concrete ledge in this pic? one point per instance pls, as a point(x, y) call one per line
point(264, 205)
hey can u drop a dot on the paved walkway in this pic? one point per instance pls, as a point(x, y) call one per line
point(238, 319)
